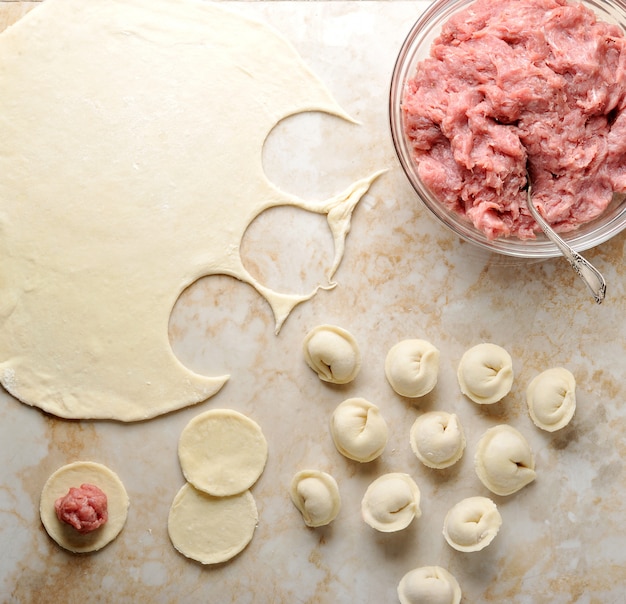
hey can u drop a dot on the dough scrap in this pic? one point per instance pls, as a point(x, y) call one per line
point(504, 461)
point(437, 439)
point(333, 353)
point(316, 496)
point(126, 129)
point(211, 529)
point(429, 585)
point(73, 475)
point(551, 399)
point(222, 452)
point(391, 502)
point(485, 373)
point(358, 430)
point(472, 524)
point(412, 367)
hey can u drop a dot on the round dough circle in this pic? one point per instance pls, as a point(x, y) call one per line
point(429, 585)
point(437, 439)
point(358, 430)
point(412, 367)
point(485, 373)
point(391, 502)
point(222, 452)
point(316, 496)
point(333, 353)
point(73, 475)
point(504, 461)
point(551, 399)
point(211, 529)
point(472, 524)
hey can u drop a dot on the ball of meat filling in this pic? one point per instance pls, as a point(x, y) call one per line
point(84, 508)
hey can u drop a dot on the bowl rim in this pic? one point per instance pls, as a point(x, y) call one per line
point(587, 236)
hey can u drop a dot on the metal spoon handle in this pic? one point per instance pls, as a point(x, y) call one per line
point(583, 268)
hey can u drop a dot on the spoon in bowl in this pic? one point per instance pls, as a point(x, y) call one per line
point(583, 268)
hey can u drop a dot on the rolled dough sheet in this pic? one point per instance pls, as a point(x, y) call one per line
point(131, 135)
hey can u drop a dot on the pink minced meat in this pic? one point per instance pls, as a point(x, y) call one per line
point(84, 508)
point(515, 81)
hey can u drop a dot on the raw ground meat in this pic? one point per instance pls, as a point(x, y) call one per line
point(84, 508)
point(515, 81)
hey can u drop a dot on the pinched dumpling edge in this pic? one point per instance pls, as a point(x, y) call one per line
point(332, 501)
point(428, 575)
point(412, 367)
point(515, 459)
point(372, 434)
point(555, 385)
point(330, 364)
point(406, 513)
point(428, 447)
point(485, 373)
point(480, 516)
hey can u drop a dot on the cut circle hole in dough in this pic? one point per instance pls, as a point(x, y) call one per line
point(222, 452)
point(74, 475)
point(162, 138)
point(211, 529)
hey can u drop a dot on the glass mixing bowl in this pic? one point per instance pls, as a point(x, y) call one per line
point(415, 48)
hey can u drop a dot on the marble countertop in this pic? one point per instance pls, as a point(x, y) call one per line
point(403, 275)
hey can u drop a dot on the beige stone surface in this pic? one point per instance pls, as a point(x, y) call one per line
point(403, 276)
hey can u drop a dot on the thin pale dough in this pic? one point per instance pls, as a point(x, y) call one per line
point(211, 529)
point(73, 475)
point(222, 452)
point(316, 496)
point(131, 136)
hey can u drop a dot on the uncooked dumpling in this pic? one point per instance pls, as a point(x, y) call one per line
point(131, 139)
point(211, 529)
point(333, 353)
point(472, 524)
point(358, 430)
point(74, 475)
point(222, 452)
point(485, 373)
point(412, 367)
point(504, 461)
point(437, 439)
point(316, 495)
point(429, 585)
point(391, 502)
point(551, 399)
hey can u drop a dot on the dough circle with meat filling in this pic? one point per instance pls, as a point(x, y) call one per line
point(74, 475)
point(211, 529)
